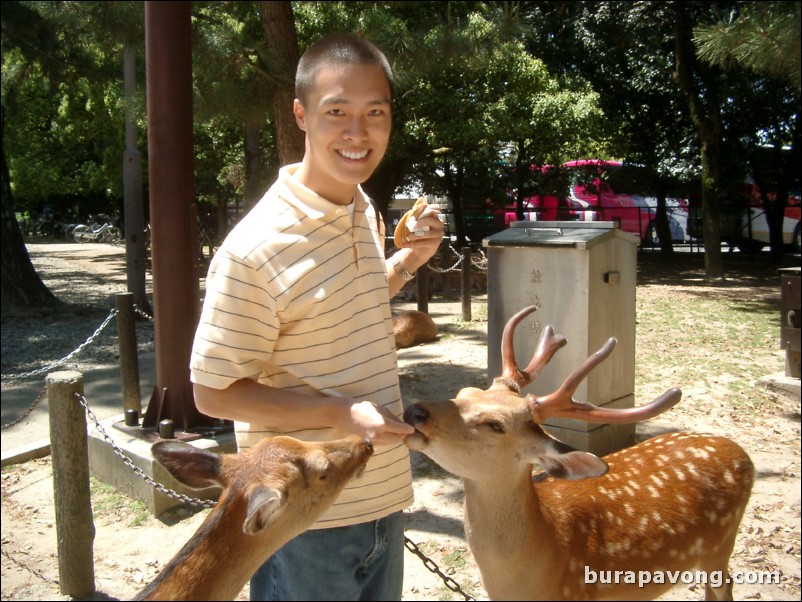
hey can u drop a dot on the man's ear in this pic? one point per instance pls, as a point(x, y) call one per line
point(300, 116)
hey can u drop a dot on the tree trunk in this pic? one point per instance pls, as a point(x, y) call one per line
point(707, 121)
point(661, 223)
point(21, 285)
point(282, 43)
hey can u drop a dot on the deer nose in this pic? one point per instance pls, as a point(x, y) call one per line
point(415, 414)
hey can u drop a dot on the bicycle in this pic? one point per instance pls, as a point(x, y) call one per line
point(103, 233)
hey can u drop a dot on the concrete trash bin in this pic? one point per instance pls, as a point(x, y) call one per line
point(581, 276)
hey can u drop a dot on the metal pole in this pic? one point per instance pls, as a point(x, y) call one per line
point(173, 214)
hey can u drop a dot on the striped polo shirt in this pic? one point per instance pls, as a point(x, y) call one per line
point(297, 298)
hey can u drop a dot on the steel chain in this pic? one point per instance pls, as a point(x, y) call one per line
point(432, 566)
point(480, 264)
point(29, 569)
point(143, 313)
point(67, 357)
point(28, 411)
point(138, 471)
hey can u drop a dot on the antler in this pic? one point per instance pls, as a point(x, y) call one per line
point(547, 347)
point(561, 403)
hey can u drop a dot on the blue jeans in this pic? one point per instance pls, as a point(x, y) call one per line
point(358, 562)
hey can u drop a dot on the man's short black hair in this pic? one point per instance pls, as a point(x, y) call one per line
point(338, 49)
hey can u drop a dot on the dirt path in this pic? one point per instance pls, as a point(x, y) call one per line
point(719, 396)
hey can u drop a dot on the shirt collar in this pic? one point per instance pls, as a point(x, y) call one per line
point(306, 199)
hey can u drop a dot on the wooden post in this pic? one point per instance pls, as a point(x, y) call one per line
point(466, 284)
point(75, 529)
point(129, 360)
point(423, 288)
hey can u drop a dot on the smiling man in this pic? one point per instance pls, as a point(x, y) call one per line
point(296, 334)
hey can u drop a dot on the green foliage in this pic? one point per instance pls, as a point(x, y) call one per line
point(763, 37)
point(482, 90)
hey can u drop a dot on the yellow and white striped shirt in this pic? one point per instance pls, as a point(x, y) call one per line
point(297, 298)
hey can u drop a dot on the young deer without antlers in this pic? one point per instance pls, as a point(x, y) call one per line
point(271, 493)
point(671, 504)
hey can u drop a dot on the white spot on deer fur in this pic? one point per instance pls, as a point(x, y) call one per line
point(680, 454)
point(653, 491)
point(710, 448)
point(635, 485)
point(682, 499)
point(712, 516)
point(728, 476)
point(679, 474)
point(644, 524)
point(629, 490)
point(614, 547)
point(657, 480)
point(697, 548)
point(656, 516)
point(692, 469)
point(699, 453)
point(629, 509)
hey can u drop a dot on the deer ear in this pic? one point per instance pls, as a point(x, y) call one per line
point(196, 468)
point(263, 502)
point(564, 462)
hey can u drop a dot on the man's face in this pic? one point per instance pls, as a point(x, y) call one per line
point(347, 120)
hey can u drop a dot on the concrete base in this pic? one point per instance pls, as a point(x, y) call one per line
point(782, 383)
point(106, 465)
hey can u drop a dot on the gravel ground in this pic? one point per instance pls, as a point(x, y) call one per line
point(33, 340)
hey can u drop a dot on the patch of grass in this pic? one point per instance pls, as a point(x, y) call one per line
point(455, 558)
point(108, 500)
point(707, 338)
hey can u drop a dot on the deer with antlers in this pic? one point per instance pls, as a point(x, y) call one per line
point(272, 492)
point(584, 529)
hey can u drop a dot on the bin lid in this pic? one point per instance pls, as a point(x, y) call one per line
point(579, 235)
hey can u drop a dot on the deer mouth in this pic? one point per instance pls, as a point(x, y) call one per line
point(416, 441)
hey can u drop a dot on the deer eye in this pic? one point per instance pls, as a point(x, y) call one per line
point(495, 426)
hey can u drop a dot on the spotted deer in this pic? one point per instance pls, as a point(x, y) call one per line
point(670, 504)
point(272, 492)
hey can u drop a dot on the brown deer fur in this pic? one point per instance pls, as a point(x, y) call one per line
point(271, 493)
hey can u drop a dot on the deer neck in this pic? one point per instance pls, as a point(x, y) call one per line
point(217, 562)
point(503, 521)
